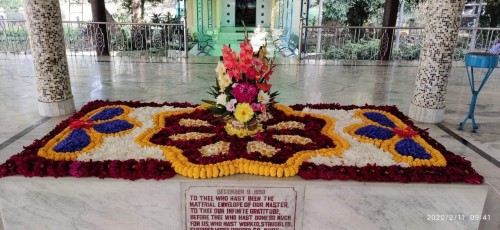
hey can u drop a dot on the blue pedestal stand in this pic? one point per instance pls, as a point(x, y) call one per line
point(477, 60)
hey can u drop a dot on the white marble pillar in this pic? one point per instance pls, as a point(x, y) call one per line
point(441, 32)
point(49, 57)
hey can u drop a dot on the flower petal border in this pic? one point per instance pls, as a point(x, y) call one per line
point(458, 169)
point(389, 145)
point(290, 168)
point(96, 138)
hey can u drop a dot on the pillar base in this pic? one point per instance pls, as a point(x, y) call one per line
point(55, 109)
point(426, 115)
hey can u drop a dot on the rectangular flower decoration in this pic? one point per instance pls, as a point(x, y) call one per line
point(135, 140)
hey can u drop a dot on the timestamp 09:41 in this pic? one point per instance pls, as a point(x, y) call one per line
point(457, 217)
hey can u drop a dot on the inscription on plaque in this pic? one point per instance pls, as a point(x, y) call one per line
point(240, 208)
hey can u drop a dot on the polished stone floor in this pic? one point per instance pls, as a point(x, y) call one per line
point(133, 79)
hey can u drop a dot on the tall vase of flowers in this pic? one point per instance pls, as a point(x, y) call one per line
point(242, 92)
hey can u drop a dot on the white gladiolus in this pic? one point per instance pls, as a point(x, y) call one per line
point(263, 97)
point(222, 77)
point(222, 99)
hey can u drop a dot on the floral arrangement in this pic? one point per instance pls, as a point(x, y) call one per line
point(136, 140)
point(242, 88)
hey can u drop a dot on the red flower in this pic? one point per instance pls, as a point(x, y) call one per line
point(8, 168)
point(267, 76)
point(79, 169)
point(246, 52)
point(229, 56)
point(235, 73)
point(63, 168)
point(326, 172)
point(264, 87)
point(259, 137)
point(407, 132)
point(159, 170)
point(25, 165)
point(129, 171)
point(40, 167)
point(80, 124)
point(251, 73)
point(115, 168)
point(308, 171)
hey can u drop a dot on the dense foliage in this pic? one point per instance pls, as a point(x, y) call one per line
point(11, 5)
point(491, 16)
point(353, 13)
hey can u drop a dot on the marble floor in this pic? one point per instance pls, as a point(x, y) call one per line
point(133, 79)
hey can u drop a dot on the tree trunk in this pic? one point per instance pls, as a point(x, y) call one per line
point(100, 31)
point(136, 11)
point(389, 20)
point(109, 17)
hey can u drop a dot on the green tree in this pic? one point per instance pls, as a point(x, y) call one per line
point(136, 8)
point(491, 16)
point(335, 10)
point(11, 5)
point(353, 13)
point(358, 12)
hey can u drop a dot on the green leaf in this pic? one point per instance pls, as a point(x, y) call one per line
point(209, 102)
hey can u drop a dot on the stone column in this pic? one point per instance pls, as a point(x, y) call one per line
point(441, 32)
point(49, 57)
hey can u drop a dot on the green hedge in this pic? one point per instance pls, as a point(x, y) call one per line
point(369, 50)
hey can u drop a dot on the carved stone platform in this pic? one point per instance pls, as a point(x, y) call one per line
point(89, 203)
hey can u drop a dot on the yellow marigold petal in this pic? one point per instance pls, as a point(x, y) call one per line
point(279, 173)
point(246, 167)
point(224, 169)
point(261, 170)
point(287, 172)
point(215, 171)
point(272, 171)
point(209, 172)
point(185, 171)
point(255, 169)
point(266, 171)
point(196, 172)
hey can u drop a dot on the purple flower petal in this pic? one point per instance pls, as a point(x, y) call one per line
point(113, 126)
point(380, 118)
point(77, 140)
point(409, 147)
point(375, 132)
point(107, 114)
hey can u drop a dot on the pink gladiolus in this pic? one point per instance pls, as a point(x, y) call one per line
point(230, 105)
point(231, 62)
point(234, 73)
point(257, 63)
point(256, 107)
point(251, 73)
